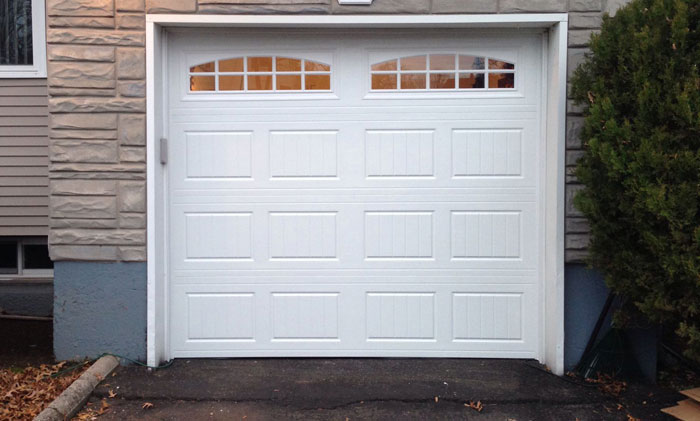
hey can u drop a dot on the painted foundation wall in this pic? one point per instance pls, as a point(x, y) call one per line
point(98, 308)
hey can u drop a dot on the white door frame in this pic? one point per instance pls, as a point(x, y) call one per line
point(554, 124)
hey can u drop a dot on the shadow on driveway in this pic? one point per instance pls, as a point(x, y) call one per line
point(354, 389)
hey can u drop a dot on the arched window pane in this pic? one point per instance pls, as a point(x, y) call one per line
point(413, 63)
point(231, 65)
point(200, 68)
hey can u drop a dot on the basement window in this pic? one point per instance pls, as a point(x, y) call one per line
point(25, 257)
point(22, 39)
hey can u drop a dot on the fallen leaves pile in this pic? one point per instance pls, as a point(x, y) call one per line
point(24, 392)
point(609, 385)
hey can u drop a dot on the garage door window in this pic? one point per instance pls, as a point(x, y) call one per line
point(440, 72)
point(260, 74)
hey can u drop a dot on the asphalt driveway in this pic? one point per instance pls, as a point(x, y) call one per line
point(359, 389)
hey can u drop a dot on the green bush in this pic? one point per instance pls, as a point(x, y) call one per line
point(641, 167)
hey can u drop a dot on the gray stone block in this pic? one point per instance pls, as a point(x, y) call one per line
point(95, 37)
point(132, 254)
point(58, 223)
point(465, 6)
point(132, 220)
point(131, 5)
point(575, 256)
point(577, 241)
point(171, 6)
point(131, 21)
point(82, 75)
point(574, 126)
point(86, 207)
point(572, 157)
point(612, 6)
point(83, 187)
point(577, 226)
point(96, 105)
point(121, 171)
point(81, 92)
point(580, 37)
point(85, 253)
point(585, 5)
point(66, 150)
point(81, 22)
point(521, 6)
point(132, 196)
point(132, 89)
point(571, 191)
point(132, 129)
point(83, 121)
point(97, 237)
point(80, 7)
point(132, 154)
point(83, 134)
point(585, 20)
point(64, 171)
point(131, 63)
point(80, 53)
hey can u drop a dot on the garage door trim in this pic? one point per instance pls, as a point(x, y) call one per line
point(554, 98)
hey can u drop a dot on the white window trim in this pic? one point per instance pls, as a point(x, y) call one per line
point(22, 273)
point(38, 69)
point(551, 350)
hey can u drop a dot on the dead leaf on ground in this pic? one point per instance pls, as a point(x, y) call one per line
point(111, 393)
point(477, 406)
point(103, 408)
point(147, 405)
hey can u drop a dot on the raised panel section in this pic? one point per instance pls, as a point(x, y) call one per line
point(221, 316)
point(399, 235)
point(218, 154)
point(485, 234)
point(305, 316)
point(303, 235)
point(400, 316)
point(218, 235)
point(399, 153)
point(493, 152)
point(303, 154)
point(495, 316)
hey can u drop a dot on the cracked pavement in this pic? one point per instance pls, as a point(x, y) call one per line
point(360, 389)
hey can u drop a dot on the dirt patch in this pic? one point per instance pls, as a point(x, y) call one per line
point(25, 342)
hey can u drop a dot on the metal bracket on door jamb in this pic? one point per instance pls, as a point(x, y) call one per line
point(163, 150)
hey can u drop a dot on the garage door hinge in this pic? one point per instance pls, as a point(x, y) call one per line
point(163, 150)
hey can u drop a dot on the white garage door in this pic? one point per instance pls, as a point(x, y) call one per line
point(355, 193)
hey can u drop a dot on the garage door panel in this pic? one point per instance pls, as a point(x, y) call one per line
point(341, 156)
point(310, 318)
point(332, 235)
point(354, 221)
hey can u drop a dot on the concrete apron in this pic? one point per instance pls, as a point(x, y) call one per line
point(364, 389)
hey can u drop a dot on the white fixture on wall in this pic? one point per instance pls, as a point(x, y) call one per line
point(355, 2)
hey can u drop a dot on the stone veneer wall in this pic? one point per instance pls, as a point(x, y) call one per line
point(96, 78)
